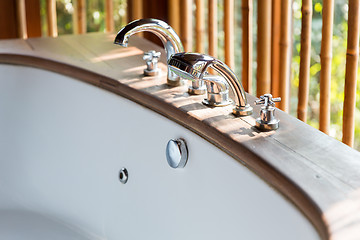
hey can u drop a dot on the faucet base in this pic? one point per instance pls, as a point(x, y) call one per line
point(154, 72)
point(197, 88)
point(217, 104)
point(267, 126)
point(196, 91)
point(243, 111)
point(176, 83)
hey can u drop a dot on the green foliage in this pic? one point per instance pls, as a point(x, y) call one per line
point(95, 15)
point(337, 67)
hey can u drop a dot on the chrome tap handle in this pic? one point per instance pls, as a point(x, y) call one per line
point(267, 100)
point(267, 120)
point(151, 58)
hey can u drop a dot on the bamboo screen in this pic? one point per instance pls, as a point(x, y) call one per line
point(263, 33)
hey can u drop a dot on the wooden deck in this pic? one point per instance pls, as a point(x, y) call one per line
point(317, 173)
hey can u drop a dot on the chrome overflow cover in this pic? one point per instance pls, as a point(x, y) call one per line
point(177, 153)
point(123, 175)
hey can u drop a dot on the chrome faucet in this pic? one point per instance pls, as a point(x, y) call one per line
point(193, 66)
point(161, 29)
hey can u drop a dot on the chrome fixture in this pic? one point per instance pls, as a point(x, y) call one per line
point(177, 153)
point(217, 91)
point(151, 58)
point(197, 87)
point(161, 29)
point(267, 120)
point(193, 66)
point(123, 175)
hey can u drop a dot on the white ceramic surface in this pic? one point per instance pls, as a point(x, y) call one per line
point(63, 143)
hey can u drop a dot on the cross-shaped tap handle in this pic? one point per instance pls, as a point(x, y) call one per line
point(267, 100)
point(151, 56)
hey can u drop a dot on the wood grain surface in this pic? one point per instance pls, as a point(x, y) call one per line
point(318, 174)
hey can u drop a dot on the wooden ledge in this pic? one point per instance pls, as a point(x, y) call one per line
point(317, 173)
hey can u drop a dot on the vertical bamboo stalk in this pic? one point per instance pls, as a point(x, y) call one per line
point(137, 9)
point(81, 16)
point(275, 47)
point(51, 18)
point(213, 28)
point(229, 32)
point(174, 15)
point(247, 45)
point(304, 71)
point(352, 57)
point(325, 61)
point(200, 28)
point(285, 54)
point(263, 48)
point(21, 19)
point(186, 32)
point(109, 14)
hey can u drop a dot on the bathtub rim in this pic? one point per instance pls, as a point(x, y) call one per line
point(285, 185)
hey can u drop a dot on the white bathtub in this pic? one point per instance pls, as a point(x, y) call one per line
point(63, 143)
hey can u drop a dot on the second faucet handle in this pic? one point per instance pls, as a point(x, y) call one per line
point(267, 120)
point(151, 58)
point(267, 100)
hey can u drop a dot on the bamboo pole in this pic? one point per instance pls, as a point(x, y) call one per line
point(247, 45)
point(229, 32)
point(109, 14)
point(285, 54)
point(275, 47)
point(51, 18)
point(263, 48)
point(352, 57)
point(213, 28)
point(174, 15)
point(325, 61)
point(200, 28)
point(137, 9)
point(81, 17)
point(304, 71)
point(186, 31)
point(21, 19)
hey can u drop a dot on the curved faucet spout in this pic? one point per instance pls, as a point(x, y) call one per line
point(161, 29)
point(193, 66)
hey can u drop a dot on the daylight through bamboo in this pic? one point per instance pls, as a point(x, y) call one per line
point(51, 18)
point(213, 28)
point(21, 19)
point(304, 72)
point(186, 31)
point(263, 48)
point(285, 54)
point(229, 33)
point(137, 9)
point(247, 8)
point(174, 15)
point(275, 46)
point(352, 57)
point(109, 13)
point(81, 16)
point(325, 60)
point(200, 26)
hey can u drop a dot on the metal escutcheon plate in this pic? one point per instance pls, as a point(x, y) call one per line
point(177, 153)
